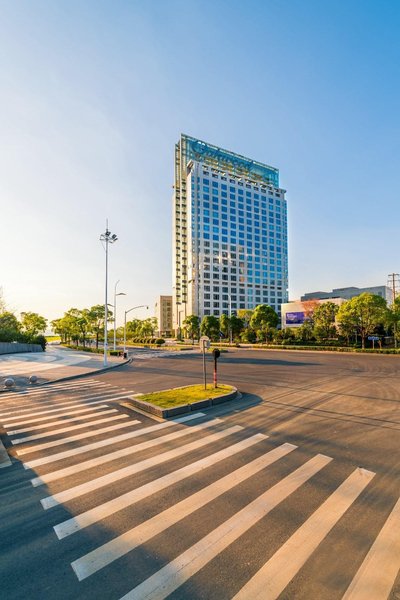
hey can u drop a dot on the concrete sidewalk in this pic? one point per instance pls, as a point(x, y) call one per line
point(89, 365)
point(57, 364)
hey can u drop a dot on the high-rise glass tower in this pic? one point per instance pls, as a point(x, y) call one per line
point(230, 248)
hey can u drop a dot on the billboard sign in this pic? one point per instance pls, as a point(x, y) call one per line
point(295, 318)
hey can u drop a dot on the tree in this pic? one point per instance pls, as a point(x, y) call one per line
point(9, 327)
point(3, 306)
point(148, 326)
point(324, 320)
point(96, 316)
point(80, 323)
point(224, 324)
point(263, 318)
point(245, 314)
point(305, 332)
point(210, 327)
point(191, 325)
point(32, 323)
point(309, 307)
point(237, 325)
point(393, 319)
point(133, 327)
point(364, 313)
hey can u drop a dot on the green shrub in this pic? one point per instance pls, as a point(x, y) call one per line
point(159, 341)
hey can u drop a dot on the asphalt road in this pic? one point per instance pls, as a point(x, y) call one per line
point(290, 492)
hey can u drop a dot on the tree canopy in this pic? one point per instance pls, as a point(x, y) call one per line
point(364, 313)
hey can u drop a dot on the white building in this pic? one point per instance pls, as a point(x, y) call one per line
point(229, 233)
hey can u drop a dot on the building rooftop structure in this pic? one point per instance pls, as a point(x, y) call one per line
point(350, 292)
point(236, 164)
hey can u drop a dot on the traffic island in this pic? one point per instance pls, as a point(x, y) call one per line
point(177, 401)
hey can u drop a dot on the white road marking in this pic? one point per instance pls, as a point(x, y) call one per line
point(61, 414)
point(79, 436)
point(376, 576)
point(96, 413)
point(81, 399)
point(116, 504)
point(111, 456)
point(99, 482)
point(47, 434)
point(279, 570)
point(121, 545)
point(49, 389)
point(74, 403)
point(175, 573)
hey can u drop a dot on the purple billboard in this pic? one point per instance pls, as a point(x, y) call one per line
point(295, 318)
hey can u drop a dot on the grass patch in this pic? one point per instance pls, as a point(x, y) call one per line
point(186, 395)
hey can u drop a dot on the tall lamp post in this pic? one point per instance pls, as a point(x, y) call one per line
point(115, 312)
point(230, 319)
point(108, 238)
point(126, 312)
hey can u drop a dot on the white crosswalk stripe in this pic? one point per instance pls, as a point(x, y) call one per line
point(376, 576)
point(87, 416)
point(45, 390)
point(79, 436)
point(70, 406)
point(85, 408)
point(31, 438)
point(75, 409)
point(61, 406)
point(46, 401)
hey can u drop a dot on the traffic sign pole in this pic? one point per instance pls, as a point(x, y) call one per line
point(216, 354)
point(204, 366)
point(204, 343)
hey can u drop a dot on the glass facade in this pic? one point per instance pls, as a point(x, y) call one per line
point(231, 253)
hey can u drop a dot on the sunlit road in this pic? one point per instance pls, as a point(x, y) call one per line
point(291, 491)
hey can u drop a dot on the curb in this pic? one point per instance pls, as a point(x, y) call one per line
point(5, 460)
point(98, 371)
point(166, 413)
point(70, 377)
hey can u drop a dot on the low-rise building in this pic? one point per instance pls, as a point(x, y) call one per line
point(163, 314)
point(297, 312)
point(350, 292)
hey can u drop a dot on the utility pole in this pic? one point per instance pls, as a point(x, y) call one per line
point(394, 284)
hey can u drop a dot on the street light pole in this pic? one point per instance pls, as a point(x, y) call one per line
point(108, 238)
point(126, 312)
point(115, 313)
point(230, 319)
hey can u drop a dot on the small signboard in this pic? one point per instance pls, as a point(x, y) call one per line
point(373, 338)
point(204, 342)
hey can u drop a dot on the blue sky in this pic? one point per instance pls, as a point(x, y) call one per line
point(94, 94)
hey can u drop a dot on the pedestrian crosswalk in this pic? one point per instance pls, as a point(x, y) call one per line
point(140, 483)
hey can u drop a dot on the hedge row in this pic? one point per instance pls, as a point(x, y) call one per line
point(153, 341)
point(324, 348)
